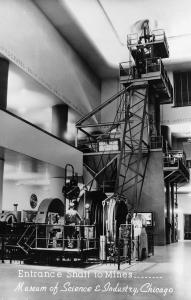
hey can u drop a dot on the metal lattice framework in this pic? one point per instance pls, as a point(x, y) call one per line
point(117, 152)
point(135, 143)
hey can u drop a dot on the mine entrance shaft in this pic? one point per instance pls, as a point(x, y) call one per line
point(116, 151)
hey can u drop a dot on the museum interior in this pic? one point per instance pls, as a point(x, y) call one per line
point(95, 131)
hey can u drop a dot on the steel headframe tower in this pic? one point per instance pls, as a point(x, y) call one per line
point(116, 152)
point(135, 146)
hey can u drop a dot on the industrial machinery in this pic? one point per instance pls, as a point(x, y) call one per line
point(116, 139)
point(10, 217)
point(70, 189)
point(45, 239)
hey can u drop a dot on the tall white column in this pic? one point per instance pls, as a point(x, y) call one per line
point(1, 182)
point(59, 129)
point(59, 120)
point(4, 67)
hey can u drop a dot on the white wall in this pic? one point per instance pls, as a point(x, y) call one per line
point(20, 194)
point(29, 99)
point(23, 138)
point(173, 115)
point(28, 39)
point(184, 207)
point(109, 88)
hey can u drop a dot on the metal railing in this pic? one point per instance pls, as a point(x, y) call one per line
point(109, 145)
point(173, 158)
point(160, 36)
point(157, 35)
point(126, 69)
point(170, 162)
point(156, 142)
point(63, 237)
point(132, 39)
point(166, 79)
point(151, 65)
point(82, 243)
point(101, 145)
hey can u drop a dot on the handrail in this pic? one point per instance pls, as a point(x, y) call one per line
point(24, 233)
point(88, 236)
point(127, 70)
point(156, 142)
point(158, 34)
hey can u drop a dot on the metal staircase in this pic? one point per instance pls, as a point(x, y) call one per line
point(27, 239)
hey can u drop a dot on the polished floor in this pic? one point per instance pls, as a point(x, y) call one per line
point(166, 275)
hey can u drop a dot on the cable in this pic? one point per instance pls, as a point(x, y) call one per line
point(110, 22)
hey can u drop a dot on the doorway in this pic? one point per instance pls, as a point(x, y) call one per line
point(187, 227)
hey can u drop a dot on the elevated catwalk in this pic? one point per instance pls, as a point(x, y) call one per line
point(175, 170)
point(156, 75)
point(155, 39)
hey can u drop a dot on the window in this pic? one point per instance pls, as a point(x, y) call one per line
point(182, 88)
